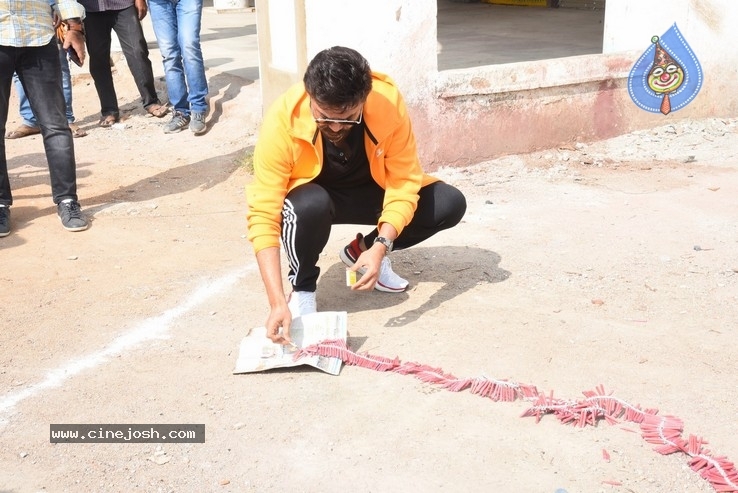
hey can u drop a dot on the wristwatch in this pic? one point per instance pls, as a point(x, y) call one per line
point(384, 241)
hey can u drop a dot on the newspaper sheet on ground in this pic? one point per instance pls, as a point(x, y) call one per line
point(259, 353)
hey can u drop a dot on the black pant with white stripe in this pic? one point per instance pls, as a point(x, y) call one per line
point(311, 209)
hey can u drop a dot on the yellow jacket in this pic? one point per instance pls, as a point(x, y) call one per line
point(289, 153)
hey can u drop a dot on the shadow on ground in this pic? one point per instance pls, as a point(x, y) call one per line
point(458, 269)
point(201, 175)
point(222, 88)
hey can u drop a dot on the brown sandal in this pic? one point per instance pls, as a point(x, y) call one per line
point(76, 131)
point(108, 121)
point(22, 131)
point(157, 110)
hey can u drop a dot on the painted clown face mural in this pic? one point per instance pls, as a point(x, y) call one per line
point(667, 76)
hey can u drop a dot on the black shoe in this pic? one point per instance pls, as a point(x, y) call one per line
point(71, 215)
point(4, 221)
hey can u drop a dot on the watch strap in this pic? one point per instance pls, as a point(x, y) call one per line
point(385, 241)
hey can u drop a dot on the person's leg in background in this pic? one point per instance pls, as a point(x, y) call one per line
point(7, 69)
point(29, 125)
point(136, 51)
point(177, 27)
point(98, 28)
point(67, 90)
point(189, 22)
point(40, 73)
point(24, 107)
point(66, 83)
point(164, 21)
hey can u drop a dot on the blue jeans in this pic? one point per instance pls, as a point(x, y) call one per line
point(25, 107)
point(40, 73)
point(177, 28)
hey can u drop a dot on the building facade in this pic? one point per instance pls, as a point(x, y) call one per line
point(467, 115)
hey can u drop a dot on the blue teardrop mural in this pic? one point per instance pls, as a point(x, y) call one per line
point(668, 76)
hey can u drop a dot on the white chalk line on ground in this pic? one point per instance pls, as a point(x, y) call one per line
point(152, 328)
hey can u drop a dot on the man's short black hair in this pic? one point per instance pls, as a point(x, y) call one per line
point(338, 78)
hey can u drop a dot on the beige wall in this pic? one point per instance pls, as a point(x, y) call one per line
point(398, 37)
point(470, 115)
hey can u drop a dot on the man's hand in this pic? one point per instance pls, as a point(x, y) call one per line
point(279, 317)
point(142, 8)
point(279, 312)
point(76, 41)
point(370, 261)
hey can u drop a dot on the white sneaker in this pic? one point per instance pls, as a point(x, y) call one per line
point(388, 281)
point(302, 303)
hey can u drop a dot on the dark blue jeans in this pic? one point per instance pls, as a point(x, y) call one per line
point(39, 71)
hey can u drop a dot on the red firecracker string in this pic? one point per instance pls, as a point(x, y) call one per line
point(664, 432)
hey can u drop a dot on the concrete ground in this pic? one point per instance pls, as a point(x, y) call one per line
point(609, 263)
